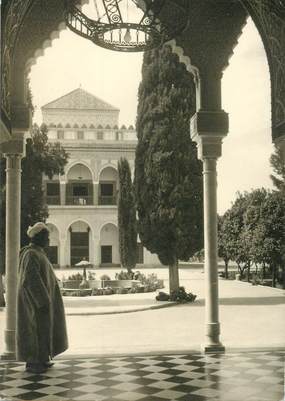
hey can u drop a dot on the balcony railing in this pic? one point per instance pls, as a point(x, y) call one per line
point(79, 200)
point(53, 199)
point(107, 200)
point(82, 200)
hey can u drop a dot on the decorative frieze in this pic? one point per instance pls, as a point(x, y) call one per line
point(269, 17)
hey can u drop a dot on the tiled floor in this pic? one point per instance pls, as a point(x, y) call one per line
point(247, 376)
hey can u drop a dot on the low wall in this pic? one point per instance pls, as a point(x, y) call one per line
point(120, 283)
point(75, 284)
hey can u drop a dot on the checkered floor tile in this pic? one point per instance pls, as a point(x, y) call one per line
point(248, 376)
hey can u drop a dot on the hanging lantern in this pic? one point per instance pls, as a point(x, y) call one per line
point(128, 25)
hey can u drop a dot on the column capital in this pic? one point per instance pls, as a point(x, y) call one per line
point(21, 117)
point(13, 147)
point(208, 128)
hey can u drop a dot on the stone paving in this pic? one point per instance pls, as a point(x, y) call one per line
point(251, 376)
point(250, 316)
point(252, 319)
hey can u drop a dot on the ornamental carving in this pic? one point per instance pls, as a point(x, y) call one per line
point(13, 19)
point(28, 23)
point(269, 17)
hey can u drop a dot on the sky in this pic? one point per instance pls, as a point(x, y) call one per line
point(72, 61)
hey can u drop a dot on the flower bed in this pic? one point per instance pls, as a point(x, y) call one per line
point(73, 292)
point(125, 283)
point(71, 284)
point(179, 296)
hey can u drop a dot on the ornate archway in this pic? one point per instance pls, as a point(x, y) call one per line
point(207, 44)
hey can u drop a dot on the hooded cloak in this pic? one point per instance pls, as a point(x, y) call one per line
point(41, 327)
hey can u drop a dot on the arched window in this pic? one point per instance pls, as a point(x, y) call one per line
point(108, 184)
point(79, 242)
point(109, 245)
point(79, 187)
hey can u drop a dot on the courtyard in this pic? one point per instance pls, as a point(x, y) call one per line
point(227, 345)
point(122, 349)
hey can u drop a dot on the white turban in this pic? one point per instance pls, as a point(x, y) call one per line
point(36, 228)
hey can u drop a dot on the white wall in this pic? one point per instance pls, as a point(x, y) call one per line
point(109, 236)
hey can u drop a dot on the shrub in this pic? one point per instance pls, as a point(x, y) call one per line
point(232, 275)
point(105, 277)
point(152, 282)
point(139, 276)
point(149, 288)
point(84, 293)
point(71, 293)
point(182, 296)
point(91, 275)
point(108, 291)
point(124, 275)
point(122, 290)
point(97, 291)
point(75, 277)
point(162, 296)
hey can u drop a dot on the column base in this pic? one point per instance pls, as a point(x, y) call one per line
point(10, 343)
point(8, 356)
point(213, 348)
point(212, 340)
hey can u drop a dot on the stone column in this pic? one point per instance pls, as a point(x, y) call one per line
point(97, 247)
point(95, 193)
point(208, 130)
point(13, 207)
point(62, 246)
point(62, 192)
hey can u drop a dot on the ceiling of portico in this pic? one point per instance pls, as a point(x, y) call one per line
point(213, 31)
point(208, 41)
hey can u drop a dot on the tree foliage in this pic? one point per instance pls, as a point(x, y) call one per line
point(278, 165)
point(223, 248)
point(41, 157)
point(232, 242)
point(168, 176)
point(253, 231)
point(268, 233)
point(127, 217)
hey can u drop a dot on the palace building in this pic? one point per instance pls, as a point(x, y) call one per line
point(82, 203)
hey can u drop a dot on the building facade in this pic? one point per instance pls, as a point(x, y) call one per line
point(82, 203)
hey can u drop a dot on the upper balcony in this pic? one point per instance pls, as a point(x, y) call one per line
point(107, 200)
point(80, 190)
point(80, 200)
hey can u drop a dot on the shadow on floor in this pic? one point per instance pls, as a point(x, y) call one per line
point(245, 301)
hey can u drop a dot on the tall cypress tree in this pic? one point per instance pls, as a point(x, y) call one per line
point(168, 176)
point(126, 217)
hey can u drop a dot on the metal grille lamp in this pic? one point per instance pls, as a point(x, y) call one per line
point(128, 25)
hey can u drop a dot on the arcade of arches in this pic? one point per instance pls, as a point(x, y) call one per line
point(205, 47)
point(77, 242)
